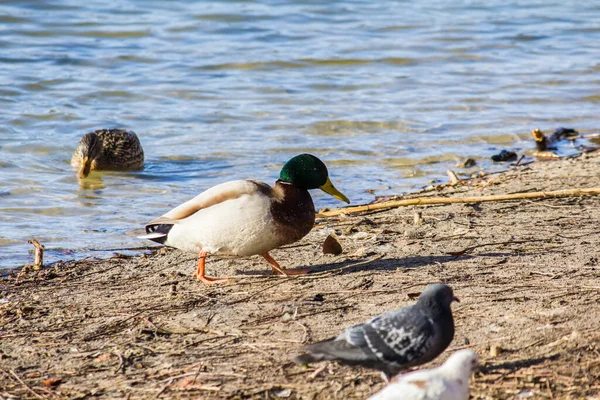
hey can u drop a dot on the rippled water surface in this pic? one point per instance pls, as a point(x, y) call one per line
point(389, 94)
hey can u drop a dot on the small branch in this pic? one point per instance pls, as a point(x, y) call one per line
point(131, 248)
point(164, 388)
point(317, 372)
point(519, 160)
point(324, 311)
point(452, 177)
point(26, 386)
point(453, 200)
point(471, 248)
point(196, 374)
point(38, 261)
point(336, 271)
point(245, 299)
point(306, 336)
point(122, 362)
point(418, 218)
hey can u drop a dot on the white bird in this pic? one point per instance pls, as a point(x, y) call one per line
point(450, 381)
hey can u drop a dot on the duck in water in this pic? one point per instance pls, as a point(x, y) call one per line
point(108, 149)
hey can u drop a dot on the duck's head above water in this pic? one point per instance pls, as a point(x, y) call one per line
point(89, 148)
point(308, 172)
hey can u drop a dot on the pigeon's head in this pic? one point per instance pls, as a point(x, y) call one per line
point(439, 295)
point(462, 363)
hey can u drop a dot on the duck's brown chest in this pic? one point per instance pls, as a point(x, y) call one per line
point(293, 211)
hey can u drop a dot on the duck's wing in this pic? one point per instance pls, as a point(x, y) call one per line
point(213, 196)
point(121, 149)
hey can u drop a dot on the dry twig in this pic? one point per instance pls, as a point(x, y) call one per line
point(452, 177)
point(452, 200)
point(38, 261)
point(13, 375)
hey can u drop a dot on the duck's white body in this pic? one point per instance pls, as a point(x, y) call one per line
point(236, 219)
point(240, 226)
point(450, 381)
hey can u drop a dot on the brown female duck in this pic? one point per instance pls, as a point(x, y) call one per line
point(108, 149)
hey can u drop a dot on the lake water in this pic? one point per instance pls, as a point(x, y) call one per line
point(390, 94)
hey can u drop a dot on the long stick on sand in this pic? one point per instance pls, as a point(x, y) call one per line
point(450, 200)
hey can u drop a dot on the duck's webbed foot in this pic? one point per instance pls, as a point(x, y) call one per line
point(200, 272)
point(277, 270)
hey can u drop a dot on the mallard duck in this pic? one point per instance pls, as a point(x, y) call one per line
point(108, 149)
point(246, 217)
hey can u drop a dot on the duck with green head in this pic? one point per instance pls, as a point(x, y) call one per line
point(246, 217)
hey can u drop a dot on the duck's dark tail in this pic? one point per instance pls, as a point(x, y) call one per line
point(157, 233)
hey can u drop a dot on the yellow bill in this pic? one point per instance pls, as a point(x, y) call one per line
point(330, 189)
point(84, 168)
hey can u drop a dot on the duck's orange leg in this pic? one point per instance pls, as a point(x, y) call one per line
point(277, 270)
point(200, 271)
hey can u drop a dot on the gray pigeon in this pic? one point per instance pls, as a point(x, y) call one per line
point(394, 340)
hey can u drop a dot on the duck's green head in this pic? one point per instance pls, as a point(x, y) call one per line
point(308, 172)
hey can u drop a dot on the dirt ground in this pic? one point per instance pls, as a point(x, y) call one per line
point(527, 274)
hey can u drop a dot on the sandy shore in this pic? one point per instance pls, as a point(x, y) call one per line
point(527, 273)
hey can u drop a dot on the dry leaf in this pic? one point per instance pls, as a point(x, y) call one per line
point(332, 245)
point(50, 382)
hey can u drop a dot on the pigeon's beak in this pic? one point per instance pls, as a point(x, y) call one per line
point(456, 299)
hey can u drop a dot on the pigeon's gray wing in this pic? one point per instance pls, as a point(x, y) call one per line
point(400, 337)
point(354, 338)
point(336, 349)
point(341, 349)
